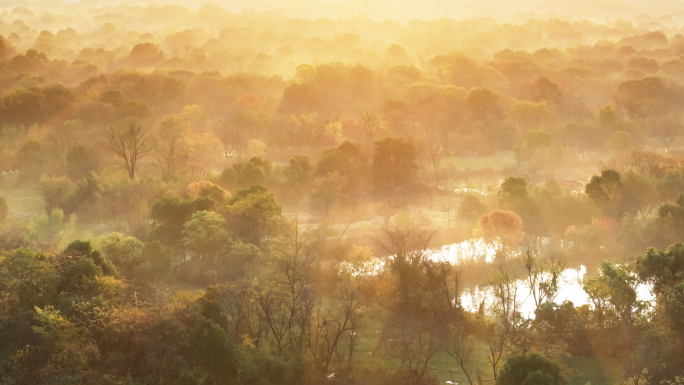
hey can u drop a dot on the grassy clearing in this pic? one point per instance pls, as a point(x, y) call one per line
point(597, 370)
point(498, 161)
point(580, 370)
point(25, 203)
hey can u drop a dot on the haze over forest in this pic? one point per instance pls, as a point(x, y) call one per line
point(342, 192)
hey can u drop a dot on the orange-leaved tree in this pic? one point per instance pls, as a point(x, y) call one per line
point(501, 228)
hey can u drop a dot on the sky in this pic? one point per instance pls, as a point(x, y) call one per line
point(409, 9)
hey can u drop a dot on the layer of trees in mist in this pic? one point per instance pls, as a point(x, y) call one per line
point(200, 196)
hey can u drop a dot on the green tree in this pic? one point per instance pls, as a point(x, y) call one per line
point(662, 269)
point(254, 172)
point(251, 214)
point(603, 189)
point(532, 144)
point(394, 164)
point(482, 102)
point(31, 160)
point(513, 193)
point(471, 208)
point(529, 369)
point(80, 160)
point(298, 173)
point(4, 209)
point(228, 178)
point(63, 355)
point(608, 117)
point(613, 294)
point(169, 214)
point(205, 234)
point(620, 142)
point(671, 218)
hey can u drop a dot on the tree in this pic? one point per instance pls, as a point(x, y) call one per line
point(602, 189)
point(620, 142)
point(327, 191)
point(64, 351)
point(254, 172)
point(608, 117)
point(170, 148)
point(531, 145)
point(543, 279)
point(471, 208)
point(31, 160)
point(298, 173)
point(371, 123)
point(560, 328)
point(4, 209)
point(205, 234)
point(460, 347)
point(169, 215)
point(513, 193)
point(669, 130)
point(662, 269)
point(671, 217)
point(413, 344)
point(130, 142)
point(337, 329)
point(482, 102)
point(233, 138)
point(228, 178)
point(530, 369)
point(81, 160)
point(146, 54)
point(300, 99)
point(501, 228)
point(613, 294)
point(251, 214)
point(393, 164)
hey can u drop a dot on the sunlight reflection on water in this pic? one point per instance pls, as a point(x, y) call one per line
point(570, 290)
point(476, 249)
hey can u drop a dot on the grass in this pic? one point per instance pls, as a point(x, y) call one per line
point(498, 161)
point(25, 203)
point(597, 370)
point(580, 370)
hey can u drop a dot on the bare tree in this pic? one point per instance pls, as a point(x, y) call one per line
point(327, 191)
point(460, 346)
point(232, 138)
point(497, 348)
point(371, 123)
point(387, 208)
point(337, 329)
point(668, 130)
point(543, 279)
point(357, 211)
point(409, 244)
point(131, 143)
point(504, 290)
point(170, 150)
point(413, 344)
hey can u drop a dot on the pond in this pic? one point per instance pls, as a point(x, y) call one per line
point(571, 280)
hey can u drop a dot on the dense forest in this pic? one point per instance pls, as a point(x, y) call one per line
point(197, 195)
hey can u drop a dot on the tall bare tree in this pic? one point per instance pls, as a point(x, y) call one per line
point(170, 148)
point(130, 142)
point(371, 123)
point(460, 346)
